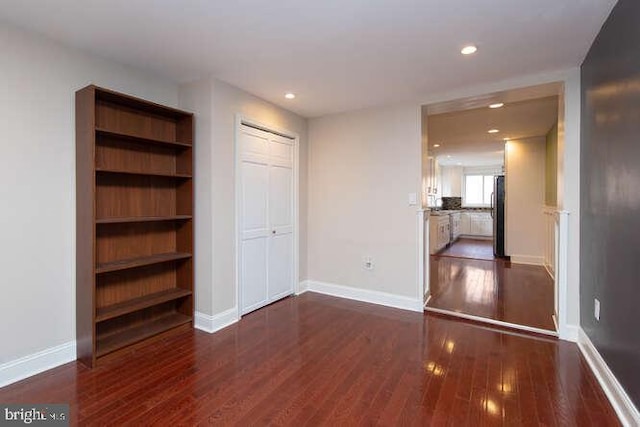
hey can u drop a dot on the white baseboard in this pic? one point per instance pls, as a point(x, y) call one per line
point(474, 237)
point(214, 323)
point(570, 333)
point(527, 259)
point(35, 363)
point(490, 321)
point(550, 271)
point(622, 404)
point(364, 295)
point(426, 300)
point(303, 287)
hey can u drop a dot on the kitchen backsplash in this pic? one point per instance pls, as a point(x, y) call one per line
point(455, 204)
point(451, 203)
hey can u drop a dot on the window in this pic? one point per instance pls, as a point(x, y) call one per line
point(477, 190)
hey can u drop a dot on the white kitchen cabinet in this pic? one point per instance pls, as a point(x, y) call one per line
point(456, 226)
point(486, 225)
point(451, 181)
point(477, 224)
point(465, 227)
point(439, 232)
point(433, 177)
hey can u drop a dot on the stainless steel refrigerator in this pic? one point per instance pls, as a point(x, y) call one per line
point(497, 212)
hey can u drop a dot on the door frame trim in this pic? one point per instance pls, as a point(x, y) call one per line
point(241, 119)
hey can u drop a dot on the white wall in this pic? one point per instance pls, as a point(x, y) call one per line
point(424, 168)
point(197, 97)
point(524, 225)
point(362, 166)
point(216, 104)
point(37, 255)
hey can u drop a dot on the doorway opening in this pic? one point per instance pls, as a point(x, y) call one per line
point(490, 186)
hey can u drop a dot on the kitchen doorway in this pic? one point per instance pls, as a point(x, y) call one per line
point(488, 254)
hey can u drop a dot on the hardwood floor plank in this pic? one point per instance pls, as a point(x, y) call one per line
point(497, 290)
point(319, 360)
point(469, 248)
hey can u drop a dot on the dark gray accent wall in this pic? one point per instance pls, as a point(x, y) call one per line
point(610, 194)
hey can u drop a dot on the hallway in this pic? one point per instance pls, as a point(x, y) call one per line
point(496, 290)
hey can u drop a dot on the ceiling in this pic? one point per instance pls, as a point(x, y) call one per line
point(336, 55)
point(463, 135)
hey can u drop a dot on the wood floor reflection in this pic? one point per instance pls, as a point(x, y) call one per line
point(498, 290)
point(317, 360)
point(469, 248)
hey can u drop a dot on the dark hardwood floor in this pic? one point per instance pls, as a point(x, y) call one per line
point(498, 290)
point(318, 360)
point(469, 248)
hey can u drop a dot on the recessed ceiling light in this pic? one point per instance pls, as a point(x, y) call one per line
point(468, 50)
point(493, 131)
point(289, 95)
point(497, 105)
point(436, 145)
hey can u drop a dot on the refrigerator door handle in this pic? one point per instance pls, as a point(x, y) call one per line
point(492, 203)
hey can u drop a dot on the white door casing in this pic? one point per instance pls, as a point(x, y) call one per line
point(266, 215)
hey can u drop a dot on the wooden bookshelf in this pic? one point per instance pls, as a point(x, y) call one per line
point(136, 304)
point(108, 343)
point(123, 136)
point(142, 219)
point(146, 173)
point(125, 264)
point(134, 189)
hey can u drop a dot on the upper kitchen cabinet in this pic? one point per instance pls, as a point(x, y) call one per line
point(451, 181)
point(433, 181)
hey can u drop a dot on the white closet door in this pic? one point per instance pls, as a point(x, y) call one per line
point(254, 225)
point(281, 217)
point(266, 218)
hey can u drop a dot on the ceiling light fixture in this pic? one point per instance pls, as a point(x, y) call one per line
point(468, 50)
point(290, 95)
point(497, 105)
point(436, 145)
point(493, 131)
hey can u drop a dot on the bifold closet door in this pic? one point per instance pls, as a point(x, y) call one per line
point(266, 218)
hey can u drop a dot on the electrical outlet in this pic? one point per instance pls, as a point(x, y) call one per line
point(367, 263)
point(596, 309)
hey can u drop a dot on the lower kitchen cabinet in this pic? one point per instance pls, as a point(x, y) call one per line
point(456, 226)
point(477, 224)
point(439, 232)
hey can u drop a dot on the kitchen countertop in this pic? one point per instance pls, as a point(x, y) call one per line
point(448, 212)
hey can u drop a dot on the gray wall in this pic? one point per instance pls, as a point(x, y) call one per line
point(610, 194)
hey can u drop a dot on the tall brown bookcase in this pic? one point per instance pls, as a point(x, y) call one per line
point(134, 235)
